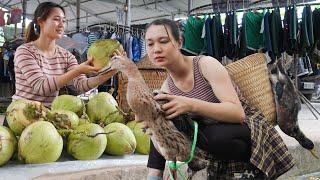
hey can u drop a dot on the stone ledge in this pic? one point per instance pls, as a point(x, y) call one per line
point(305, 163)
point(112, 173)
point(134, 167)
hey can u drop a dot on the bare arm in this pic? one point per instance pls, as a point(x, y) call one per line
point(229, 110)
point(81, 82)
point(41, 82)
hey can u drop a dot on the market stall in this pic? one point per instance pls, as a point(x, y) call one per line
point(92, 135)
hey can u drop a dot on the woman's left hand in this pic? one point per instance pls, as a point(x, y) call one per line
point(176, 105)
point(120, 54)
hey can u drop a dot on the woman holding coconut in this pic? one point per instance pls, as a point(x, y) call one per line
point(42, 67)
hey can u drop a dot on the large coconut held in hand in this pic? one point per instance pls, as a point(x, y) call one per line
point(102, 50)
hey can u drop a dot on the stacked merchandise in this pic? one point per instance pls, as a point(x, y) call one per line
point(36, 134)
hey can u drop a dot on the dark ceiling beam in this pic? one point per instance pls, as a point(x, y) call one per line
point(89, 11)
point(16, 3)
point(97, 14)
point(7, 2)
point(154, 17)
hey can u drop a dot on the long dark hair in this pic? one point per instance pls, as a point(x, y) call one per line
point(167, 23)
point(42, 11)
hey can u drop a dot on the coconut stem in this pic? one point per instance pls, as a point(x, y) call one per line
point(93, 136)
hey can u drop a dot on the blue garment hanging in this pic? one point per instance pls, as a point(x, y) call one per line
point(136, 49)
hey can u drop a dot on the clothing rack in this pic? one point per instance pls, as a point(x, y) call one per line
point(210, 7)
point(295, 54)
point(111, 26)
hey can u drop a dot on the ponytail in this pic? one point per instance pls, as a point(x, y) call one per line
point(32, 32)
point(42, 12)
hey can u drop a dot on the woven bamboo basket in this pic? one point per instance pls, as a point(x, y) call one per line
point(153, 76)
point(252, 77)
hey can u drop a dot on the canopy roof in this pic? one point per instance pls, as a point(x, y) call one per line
point(142, 11)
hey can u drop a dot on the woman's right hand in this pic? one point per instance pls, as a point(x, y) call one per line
point(86, 67)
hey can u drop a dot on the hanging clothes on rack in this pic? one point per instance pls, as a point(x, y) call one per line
point(93, 37)
point(253, 27)
point(80, 37)
point(306, 31)
point(192, 34)
point(16, 14)
point(136, 49)
point(265, 30)
point(217, 37)
point(2, 21)
point(316, 25)
point(276, 32)
point(231, 33)
point(290, 30)
point(208, 39)
point(243, 39)
point(143, 47)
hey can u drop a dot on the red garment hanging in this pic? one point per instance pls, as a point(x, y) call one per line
point(2, 21)
point(16, 15)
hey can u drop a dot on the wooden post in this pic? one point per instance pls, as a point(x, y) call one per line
point(78, 16)
point(24, 13)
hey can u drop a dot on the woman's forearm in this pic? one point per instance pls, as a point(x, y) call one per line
point(224, 112)
point(97, 80)
point(64, 79)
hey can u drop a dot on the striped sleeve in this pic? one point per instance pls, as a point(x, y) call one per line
point(42, 84)
point(81, 83)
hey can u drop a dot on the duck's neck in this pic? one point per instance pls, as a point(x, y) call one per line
point(133, 74)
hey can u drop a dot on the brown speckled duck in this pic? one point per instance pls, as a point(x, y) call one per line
point(288, 106)
point(171, 143)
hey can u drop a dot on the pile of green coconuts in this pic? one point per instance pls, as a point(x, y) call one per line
point(37, 134)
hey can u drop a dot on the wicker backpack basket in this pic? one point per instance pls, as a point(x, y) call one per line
point(252, 77)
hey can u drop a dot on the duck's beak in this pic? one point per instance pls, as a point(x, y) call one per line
point(314, 153)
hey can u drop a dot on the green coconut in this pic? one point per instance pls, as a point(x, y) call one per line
point(121, 139)
point(21, 113)
point(8, 144)
point(103, 108)
point(68, 102)
point(102, 51)
point(40, 142)
point(84, 145)
point(63, 119)
point(83, 121)
point(143, 140)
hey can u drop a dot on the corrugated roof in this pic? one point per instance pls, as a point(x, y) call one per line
point(142, 11)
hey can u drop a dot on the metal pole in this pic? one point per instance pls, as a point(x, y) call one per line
point(128, 13)
point(78, 16)
point(24, 12)
point(189, 7)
